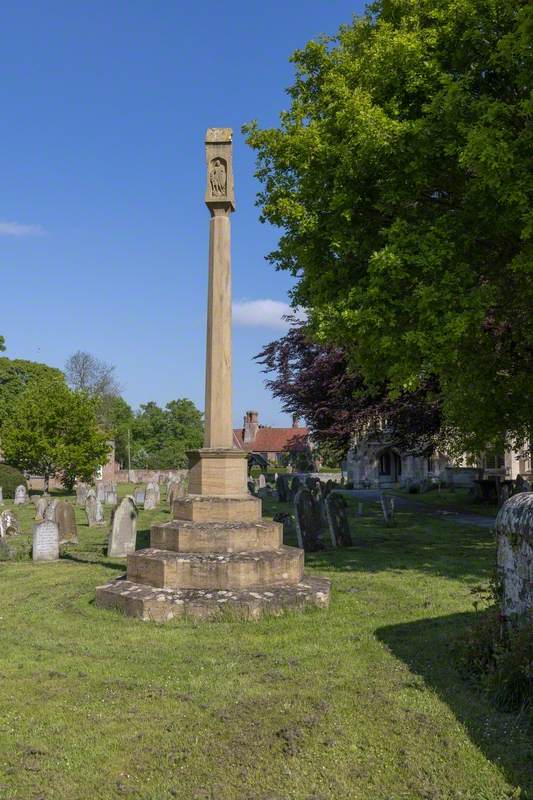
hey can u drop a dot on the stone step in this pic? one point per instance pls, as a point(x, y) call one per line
point(215, 571)
point(162, 605)
point(216, 537)
point(205, 508)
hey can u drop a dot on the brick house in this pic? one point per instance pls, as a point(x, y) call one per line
point(274, 444)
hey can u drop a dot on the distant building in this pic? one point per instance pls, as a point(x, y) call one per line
point(274, 444)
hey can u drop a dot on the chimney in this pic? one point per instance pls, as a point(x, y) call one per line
point(295, 421)
point(251, 426)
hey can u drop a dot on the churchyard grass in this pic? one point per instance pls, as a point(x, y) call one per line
point(362, 702)
point(450, 500)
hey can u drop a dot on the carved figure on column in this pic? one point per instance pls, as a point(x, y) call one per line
point(218, 177)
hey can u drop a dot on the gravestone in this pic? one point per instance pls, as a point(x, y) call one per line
point(66, 523)
point(337, 516)
point(21, 495)
point(123, 535)
point(50, 513)
point(295, 487)
point(9, 524)
point(81, 494)
point(150, 497)
point(42, 505)
point(1, 496)
point(262, 481)
point(100, 491)
point(111, 497)
point(330, 485)
point(308, 521)
point(93, 510)
point(521, 485)
point(251, 486)
point(310, 483)
point(139, 497)
point(45, 541)
point(387, 506)
point(514, 533)
point(282, 485)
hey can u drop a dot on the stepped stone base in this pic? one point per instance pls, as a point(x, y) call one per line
point(203, 508)
point(216, 571)
point(162, 605)
point(216, 537)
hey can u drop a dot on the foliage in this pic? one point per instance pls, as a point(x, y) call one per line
point(52, 430)
point(499, 655)
point(86, 373)
point(162, 436)
point(10, 478)
point(2, 344)
point(116, 417)
point(15, 375)
point(401, 177)
point(314, 381)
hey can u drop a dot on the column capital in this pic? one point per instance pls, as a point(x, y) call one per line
point(220, 192)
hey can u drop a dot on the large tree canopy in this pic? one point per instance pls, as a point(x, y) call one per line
point(401, 177)
point(15, 376)
point(314, 381)
point(162, 436)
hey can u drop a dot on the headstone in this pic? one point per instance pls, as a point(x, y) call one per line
point(66, 522)
point(282, 486)
point(262, 481)
point(21, 495)
point(360, 509)
point(138, 497)
point(295, 487)
point(150, 497)
point(93, 510)
point(308, 521)
point(387, 506)
point(337, 516)
point(110, 497)
point(46, 541)
point(42, 505)
point(123, 533)
point(514, 533)
point(521, 485)
point(251, 487)
point(50, 513)
point(1, 496)
point(81, 494)
point(9, 524)
point(100, 491)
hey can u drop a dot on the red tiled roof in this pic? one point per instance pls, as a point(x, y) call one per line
point(272, 440)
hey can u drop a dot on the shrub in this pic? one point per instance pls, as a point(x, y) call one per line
point(10, 478)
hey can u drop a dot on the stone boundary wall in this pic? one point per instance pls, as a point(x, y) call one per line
point(148, 475)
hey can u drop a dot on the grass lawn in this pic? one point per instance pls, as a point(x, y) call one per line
point(457, 500)
point(361, 702)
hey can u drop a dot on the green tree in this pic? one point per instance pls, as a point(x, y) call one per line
point(15, 376)
point(116, 418)
point(162, 436)
point(52, 430)
point(401, 177)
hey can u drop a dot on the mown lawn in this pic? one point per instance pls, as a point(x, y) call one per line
point(459, 500)
point(362, 702)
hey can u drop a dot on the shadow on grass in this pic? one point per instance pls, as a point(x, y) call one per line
point(427, 647)
point(101, 562)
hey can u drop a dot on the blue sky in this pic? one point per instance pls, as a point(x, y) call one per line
point(103, 229)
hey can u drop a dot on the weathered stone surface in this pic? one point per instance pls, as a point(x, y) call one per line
point(216, 570)
point(197, 508)
point(81, 494)
point(1, 496)
point(387, 506)
point(150, 497)
point(111, 497)
point(282, 488)
point(216, 537)
point(9, 524)
point(42, 505)
point(123, 535)
point(138, 496)
point(65, 518)
point(308, 521)
point(21, 495)
point(162, 605)
point(100, 491)
point(50, 513)
point(94, 510)
point(337, 517)
point(45, 541)
point(514, 531)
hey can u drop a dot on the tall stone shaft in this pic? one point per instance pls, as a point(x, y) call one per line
point(220, 200)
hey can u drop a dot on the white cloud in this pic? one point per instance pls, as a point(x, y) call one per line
point(263, 313)
point(16, 229)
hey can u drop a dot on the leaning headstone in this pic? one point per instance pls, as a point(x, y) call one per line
point(123, 535)
point(337, 516)
point(308, 521)
point(514, 533)
point(9, 524)
point(66, 522)
point(42, 505)
point(46, 541)
point(81, 494)
point(93, 510)
point(150, 497)
point(50, 513)
point(387, 506)
point(21, 495)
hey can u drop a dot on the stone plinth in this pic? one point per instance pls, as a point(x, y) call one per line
point(214, 472)
point(514, 532)
point(217, 537)
point(197, 508)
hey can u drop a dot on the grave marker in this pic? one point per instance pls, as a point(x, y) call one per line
point(45, 541)
point(337, 516)
point(9, 524)
point(123, 533)
point(308, 521)
point(66, 523)
point(21, 496)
